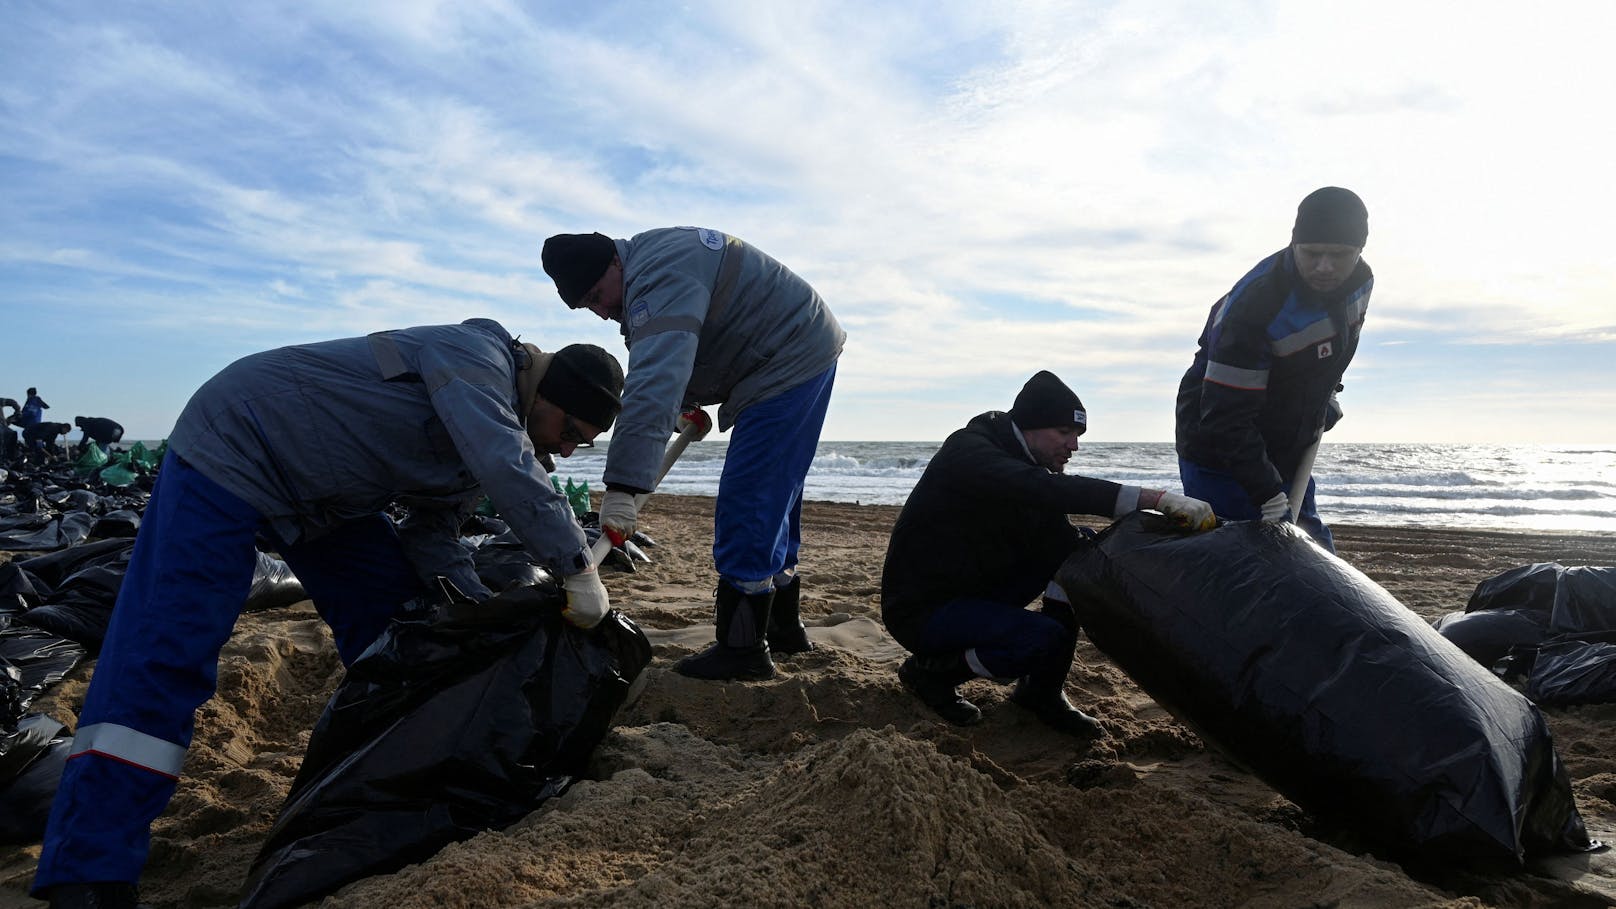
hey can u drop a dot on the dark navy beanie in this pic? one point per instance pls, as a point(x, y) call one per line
point(576, 261)
point(586, 382)
point(1331, 215)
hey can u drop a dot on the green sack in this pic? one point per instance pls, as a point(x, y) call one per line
point(141, 456)
point(118, 473)
point(91, 461)
point(578, 497)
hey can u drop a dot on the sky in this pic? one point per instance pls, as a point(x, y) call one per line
point(978, 189)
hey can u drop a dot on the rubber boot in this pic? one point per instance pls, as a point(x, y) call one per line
point(105, 895)
point(741, 650)
point(1043, 691)
point(936, 680)
point(786, 634)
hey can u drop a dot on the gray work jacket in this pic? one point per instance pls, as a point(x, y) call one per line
point(318, 434)
point(708, 319)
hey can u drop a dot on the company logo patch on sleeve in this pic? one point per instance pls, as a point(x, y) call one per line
point(1325, 350)
point(638, 314)
point(712, 239)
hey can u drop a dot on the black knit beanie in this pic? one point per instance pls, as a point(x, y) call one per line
point(576, 261)
point(1045, 401)
point(1331, 215)
point(586, 382)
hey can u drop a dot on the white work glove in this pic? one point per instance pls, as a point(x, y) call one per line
point(1277, 510)
point(696, 417)
point(1192, 513)
point(619, 514)
point(586, 599)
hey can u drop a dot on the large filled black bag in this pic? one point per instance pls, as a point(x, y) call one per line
point(457, 721)
point(1575, 599)
point(1338, 696)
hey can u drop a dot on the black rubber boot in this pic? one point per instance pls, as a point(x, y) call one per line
point(104, 895)
point(741, 650)
point(786, 634)
point(936, 680)
point(1043, 691)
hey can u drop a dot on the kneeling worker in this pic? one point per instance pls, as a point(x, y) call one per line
point(981, 535)
point(308, 446)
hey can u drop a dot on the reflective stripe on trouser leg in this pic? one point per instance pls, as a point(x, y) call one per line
point(188, 577)
point(757, 524)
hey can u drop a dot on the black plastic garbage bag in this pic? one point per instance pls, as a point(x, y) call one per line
point(68, 530)
point(1574, 669)
point(1577, 599)
point(123, 522)
point(51, 569)
point(273, 585)
point(501, 567)
point(1490, 635)
point(31, 761)
point(453, 723)
point(39, 658)
point(80, 608)
point(1335, 694)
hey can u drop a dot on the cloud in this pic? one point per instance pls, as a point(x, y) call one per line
point(978, 190)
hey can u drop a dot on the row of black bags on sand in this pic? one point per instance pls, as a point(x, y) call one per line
point(1548, 626)
point(463, 716)
point(1305, 671)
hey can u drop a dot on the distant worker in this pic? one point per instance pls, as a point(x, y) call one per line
point(981, 536)
point(709, 319)
point(308, 445)
point(100, 430)
point(33, 409)
point(41, 438)
point(1261, 391)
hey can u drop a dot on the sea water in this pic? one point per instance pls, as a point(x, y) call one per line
point(1507, 487)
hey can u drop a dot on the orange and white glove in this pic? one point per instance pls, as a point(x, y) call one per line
point(587, 601)
point(619, 515)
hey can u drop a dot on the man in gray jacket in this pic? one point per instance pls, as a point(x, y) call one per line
point(307, 445)
point(709, 319)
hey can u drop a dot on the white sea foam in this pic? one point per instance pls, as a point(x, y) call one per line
point(1521, 487)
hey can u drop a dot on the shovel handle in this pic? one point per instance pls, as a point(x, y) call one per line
point(692, 431)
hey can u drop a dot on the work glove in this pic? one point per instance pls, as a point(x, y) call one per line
point(586, 599)
point(696, 417)
point(1277, 510)
point(619, 516)
point(1192, 513)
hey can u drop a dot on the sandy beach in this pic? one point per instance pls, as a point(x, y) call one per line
point(831, 786)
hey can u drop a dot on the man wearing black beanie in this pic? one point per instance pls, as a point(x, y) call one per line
point(308, 447)
point(1261, 390)
point(710, 319)
point(981, 535)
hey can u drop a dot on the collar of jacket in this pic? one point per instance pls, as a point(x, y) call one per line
point(527, 379)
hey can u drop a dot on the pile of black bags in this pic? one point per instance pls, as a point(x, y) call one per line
point(1318, 680)
point(1547, 624)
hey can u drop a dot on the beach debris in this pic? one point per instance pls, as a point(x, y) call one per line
point(1307, 672)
